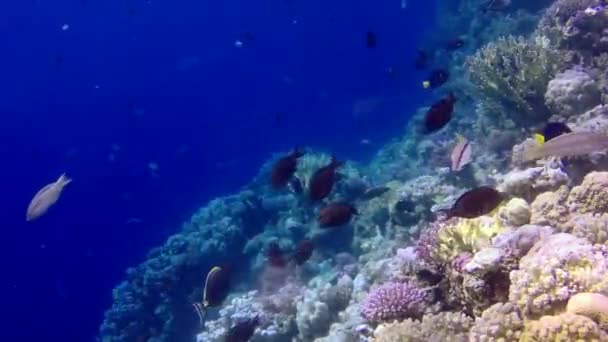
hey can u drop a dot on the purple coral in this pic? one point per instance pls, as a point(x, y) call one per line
point(393, 301)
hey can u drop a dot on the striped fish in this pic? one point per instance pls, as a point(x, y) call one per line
point(461, 153)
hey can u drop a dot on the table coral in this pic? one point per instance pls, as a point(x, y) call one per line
point(555, 269)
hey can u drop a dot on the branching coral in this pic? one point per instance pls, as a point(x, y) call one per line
point(515, 71)
point(564, 327)
point(393, 301)
point(444, 326)
point(555, 269)
point(500, 322)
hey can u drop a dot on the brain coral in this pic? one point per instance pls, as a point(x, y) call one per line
point(393, 301)
point(444, 326)
point(500, 322)
point(555, 269)
point(562, 328)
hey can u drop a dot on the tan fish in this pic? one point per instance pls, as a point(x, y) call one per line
point(567, 145)
point(45, 198)
point(461, 154)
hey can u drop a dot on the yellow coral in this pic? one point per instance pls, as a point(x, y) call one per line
point(465, 235)
point(566, 327)
point(444, 326)
point(592, 305)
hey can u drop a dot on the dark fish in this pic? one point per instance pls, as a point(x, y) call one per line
point(322, 181)
point(422, 60)
point(370, 39)
point(336, 214)
point(242, 331)
point(284, 168)
point(439, 114)
point(454, 44)
point(303, 252)
point(436, 79)
point(275, 255)
point(217, 287)
point(554, 130)
point(476, 202)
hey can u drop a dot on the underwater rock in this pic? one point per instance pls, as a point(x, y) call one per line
point(572, 92)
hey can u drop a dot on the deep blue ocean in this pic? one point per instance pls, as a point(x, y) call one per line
point(153, 109)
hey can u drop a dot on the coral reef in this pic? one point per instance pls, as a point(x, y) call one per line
point(399, 271)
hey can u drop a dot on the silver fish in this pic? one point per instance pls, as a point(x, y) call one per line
point(46, 198)
point(461, 154)
point(568, 145)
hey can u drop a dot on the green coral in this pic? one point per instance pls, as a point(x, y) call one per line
point(500, 322)
point(562, 328)
point(515, 71)
point(444, 326)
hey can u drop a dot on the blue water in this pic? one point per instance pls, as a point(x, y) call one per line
point(162, 82)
